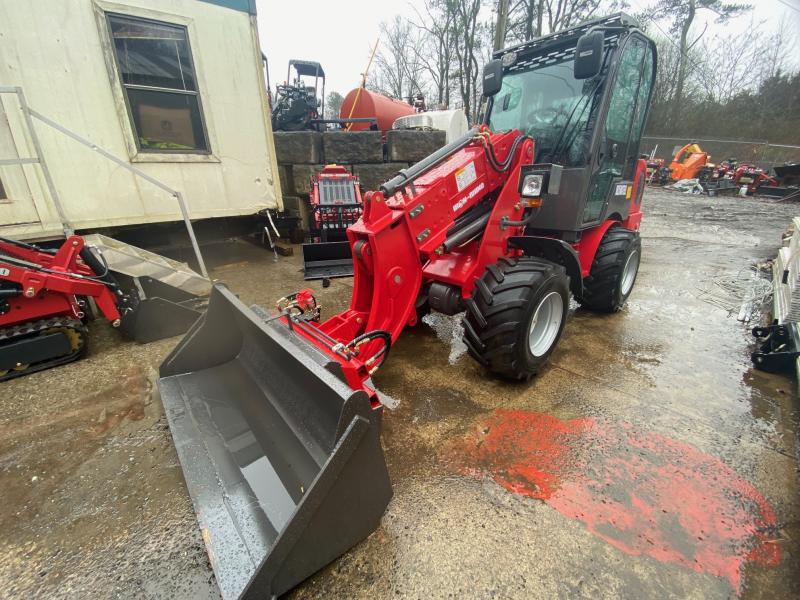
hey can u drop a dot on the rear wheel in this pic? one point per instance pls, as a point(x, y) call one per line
point(613, 272)
point(516, 315)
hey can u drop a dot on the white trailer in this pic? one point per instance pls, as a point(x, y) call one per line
point(173, 89)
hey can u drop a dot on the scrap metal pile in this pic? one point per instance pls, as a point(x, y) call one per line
point(691, 171)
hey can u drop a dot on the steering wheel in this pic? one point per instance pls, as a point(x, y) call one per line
point(543, 116)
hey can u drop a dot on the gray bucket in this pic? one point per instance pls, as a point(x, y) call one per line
point(282, 459)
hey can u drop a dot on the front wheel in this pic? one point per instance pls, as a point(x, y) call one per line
point(613, 272)
point(516, 316)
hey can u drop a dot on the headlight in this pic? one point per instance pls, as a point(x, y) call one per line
point(532, 186)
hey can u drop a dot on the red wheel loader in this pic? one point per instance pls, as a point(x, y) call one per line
point(275, 416)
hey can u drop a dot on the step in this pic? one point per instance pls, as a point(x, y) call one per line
point(137, 262)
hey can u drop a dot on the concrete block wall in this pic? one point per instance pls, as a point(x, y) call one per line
point(303, 153)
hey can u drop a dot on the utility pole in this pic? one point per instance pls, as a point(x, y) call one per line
point(500, 27)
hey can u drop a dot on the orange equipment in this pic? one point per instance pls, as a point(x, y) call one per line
point(373, 105)
point(688, 162)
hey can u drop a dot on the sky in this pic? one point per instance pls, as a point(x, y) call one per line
point(340, 35)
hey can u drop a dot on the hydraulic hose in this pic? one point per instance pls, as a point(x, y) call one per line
point(383, 353)
point(495, 162)
point(523, 223)
point(99, 266)
point(406, 176)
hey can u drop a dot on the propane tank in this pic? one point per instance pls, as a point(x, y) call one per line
point(373, 105)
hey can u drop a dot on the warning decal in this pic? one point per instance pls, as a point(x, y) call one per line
point(465, 176)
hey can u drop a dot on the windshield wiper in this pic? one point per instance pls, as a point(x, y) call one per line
point(558, 149)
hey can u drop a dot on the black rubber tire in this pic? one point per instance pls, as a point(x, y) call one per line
point(500, 310)
point(602, 289)
point(422, 307)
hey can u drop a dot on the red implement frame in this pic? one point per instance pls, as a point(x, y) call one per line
point(49, 286)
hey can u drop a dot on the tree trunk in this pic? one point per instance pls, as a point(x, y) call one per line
point(530, 9)
point(500, 27)
point(539, 17)
point(683, 59)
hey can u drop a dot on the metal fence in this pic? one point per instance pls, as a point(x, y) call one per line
point(759, 152)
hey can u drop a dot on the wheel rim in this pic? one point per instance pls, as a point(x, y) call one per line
point(545, 324)
point(629, 272)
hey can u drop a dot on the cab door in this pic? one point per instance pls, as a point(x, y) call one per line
point(618, 150)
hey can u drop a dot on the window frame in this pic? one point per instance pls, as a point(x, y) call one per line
point(107, 14)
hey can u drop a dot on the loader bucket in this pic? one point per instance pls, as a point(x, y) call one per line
point(158, 309)
point(325, 260)
point(281, 458)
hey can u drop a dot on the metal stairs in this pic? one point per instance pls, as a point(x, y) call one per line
point(136, 262)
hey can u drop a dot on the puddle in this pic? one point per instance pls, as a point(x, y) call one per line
point(448, 330)
point(437, 403)
point(640, 491)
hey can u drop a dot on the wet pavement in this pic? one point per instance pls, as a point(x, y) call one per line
point(649, 459)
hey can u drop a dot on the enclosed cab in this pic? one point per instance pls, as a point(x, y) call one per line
point(585, 108)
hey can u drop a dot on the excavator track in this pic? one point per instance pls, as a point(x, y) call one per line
point(59, 339)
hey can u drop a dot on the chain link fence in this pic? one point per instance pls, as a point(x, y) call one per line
point(759, 152)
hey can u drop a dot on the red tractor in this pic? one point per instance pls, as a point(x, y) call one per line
point(335, 201)
point(44, 304)
point(276, 417)
point(752, 177)
point(657, 173)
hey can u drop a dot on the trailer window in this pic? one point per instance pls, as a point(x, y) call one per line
point(155, 66)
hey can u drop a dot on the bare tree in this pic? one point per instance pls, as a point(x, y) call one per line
point(436, 51)
point(781, 45)
point(682, 14)
point(398, 71)
point(501, 25)
point(470, 33)
point(529, 19)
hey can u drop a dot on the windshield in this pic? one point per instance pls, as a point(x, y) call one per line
point(550, 105)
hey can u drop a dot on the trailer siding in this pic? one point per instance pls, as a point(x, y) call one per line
point(60, 54)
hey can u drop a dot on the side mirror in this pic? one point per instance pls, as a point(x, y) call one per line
point(588, 55)
point(492, 77)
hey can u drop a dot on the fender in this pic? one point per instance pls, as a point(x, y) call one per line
point(588, 244)
point(557, 251)
point(634, 219)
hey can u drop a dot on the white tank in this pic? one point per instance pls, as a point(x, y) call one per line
point(452, 122)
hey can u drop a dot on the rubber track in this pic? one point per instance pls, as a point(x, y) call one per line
point(31, 328)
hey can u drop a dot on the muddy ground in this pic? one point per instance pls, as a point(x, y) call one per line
point(649, 460)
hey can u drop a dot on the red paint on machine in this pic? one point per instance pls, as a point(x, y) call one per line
point(642, 492)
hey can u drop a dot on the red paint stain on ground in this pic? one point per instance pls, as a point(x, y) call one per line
point(644, 493)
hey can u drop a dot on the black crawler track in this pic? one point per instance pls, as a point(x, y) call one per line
point(32, 329)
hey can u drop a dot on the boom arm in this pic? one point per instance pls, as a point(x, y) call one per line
point(425, 231)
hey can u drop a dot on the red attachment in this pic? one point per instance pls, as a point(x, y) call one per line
point(305, 299)
point(51, 285)
point(339, 205)
point(753, 177)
